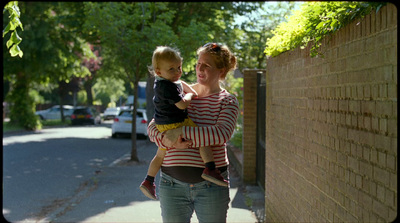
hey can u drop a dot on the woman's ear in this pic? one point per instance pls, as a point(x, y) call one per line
point(222, 73)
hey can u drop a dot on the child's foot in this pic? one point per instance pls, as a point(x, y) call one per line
point(214, 176)
point(148, 189)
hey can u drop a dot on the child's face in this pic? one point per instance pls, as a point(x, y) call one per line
point(170, 70)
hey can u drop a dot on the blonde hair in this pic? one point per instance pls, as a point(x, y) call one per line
point(223, 57)
point(164, 53)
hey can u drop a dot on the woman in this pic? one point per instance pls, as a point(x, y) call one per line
point(215, 111)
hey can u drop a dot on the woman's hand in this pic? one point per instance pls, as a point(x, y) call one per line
point(173, 139)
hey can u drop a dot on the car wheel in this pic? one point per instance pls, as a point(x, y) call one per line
point(114, 135)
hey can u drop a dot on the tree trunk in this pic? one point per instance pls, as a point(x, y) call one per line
point(149, 96)
point(88, 88)
point(134, 156)
point(62, 88)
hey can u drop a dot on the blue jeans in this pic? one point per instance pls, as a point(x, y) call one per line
point(178, 200)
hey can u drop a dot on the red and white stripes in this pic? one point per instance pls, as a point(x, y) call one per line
point(216, 116)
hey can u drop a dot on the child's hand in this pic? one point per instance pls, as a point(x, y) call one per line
point(189, 96)
point(173, 139)
point(192, 95)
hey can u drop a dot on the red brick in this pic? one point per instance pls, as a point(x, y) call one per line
point(332, 126)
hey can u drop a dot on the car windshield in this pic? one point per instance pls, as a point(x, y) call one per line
point(129, 114)
point(126, 113)
point(82, 111)
point(112, 109)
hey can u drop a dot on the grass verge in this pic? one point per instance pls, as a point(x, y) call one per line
point(8, 127)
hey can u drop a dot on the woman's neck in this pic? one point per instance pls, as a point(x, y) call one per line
point(204, 90)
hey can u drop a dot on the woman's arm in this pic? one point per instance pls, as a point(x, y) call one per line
point(155, 135)
point(172, 139)
point(218, 134)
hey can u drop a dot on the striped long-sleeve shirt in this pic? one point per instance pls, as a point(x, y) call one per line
point(216, 116)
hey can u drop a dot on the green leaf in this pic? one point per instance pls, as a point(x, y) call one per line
point(379, 7)
point(333, 23)
point(16, 22)
point(5, 31)
point(15, 38)
point(15, 50)
point(9, 43)
point(320, 25)
point(15, 8)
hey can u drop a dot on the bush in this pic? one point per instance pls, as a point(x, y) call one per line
point(313, 22)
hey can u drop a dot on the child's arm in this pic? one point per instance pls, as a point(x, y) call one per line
point(182, 104)
point(188, 89)
point(190, 93)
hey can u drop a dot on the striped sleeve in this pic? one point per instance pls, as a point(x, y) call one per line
point(217, 134)
point(154, 135)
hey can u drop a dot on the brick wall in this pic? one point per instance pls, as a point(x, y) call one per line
point(331, 144)
point(249, 126)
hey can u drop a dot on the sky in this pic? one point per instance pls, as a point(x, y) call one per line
point(240, 19)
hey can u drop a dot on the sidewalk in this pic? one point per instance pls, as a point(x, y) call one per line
point(113, 195)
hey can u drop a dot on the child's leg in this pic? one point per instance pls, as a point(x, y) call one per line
point(147, 186)
point(211, 173)
point(155, 164)
point(208, 157)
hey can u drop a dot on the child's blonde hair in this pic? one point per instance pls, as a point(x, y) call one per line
point(164, 53)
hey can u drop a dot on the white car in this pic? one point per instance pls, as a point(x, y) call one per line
point(111, 113)
point(123, 123)
point(55, 112)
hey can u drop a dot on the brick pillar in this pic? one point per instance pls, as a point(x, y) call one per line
point(249, 126)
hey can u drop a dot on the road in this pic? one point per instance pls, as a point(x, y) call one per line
point(43, 169)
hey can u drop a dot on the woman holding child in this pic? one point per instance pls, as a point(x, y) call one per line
point(182, 189)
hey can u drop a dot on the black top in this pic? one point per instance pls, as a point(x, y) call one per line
point(166, 94)
point(187, 174)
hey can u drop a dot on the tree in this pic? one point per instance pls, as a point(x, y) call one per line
point(256, 29)
point(109, 90)
point(93, 64)
point(128, 33)
point(197, 23)
point(50, 48)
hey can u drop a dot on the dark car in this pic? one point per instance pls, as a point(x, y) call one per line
point(85, 115)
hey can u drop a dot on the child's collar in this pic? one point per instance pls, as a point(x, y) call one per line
point(160, 78)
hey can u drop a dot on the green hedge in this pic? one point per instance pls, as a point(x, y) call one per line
point(314, 21)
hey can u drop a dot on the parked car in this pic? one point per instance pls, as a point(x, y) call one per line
point(111, 113)
point(55, 112)
point(83, 115)
point(123, 123)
